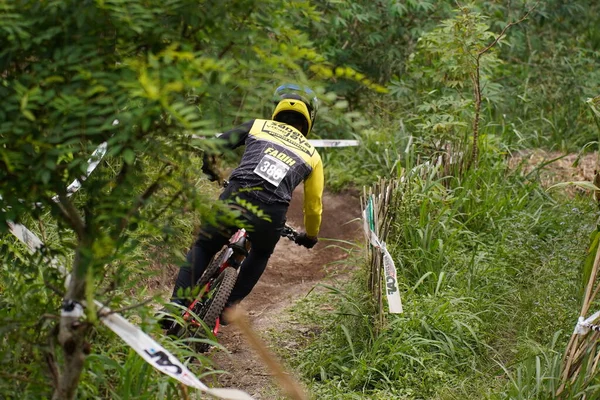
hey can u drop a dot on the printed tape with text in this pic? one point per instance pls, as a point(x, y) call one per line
point(389, 268)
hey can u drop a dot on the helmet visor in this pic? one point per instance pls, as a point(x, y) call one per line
point(302, 93)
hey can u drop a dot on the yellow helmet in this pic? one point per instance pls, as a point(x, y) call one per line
point(297, 104)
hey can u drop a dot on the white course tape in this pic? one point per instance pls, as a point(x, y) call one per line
point(34, 244)
point(584, 325)
point(26, 236)
point(333, 143)
point(29, 238)
point(389, 268)
point(314, 142)
point(157, 356)
point(92, 164)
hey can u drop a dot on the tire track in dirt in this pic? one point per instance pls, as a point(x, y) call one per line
point(291, 273)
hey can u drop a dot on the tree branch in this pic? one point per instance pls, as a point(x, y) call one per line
point(503, 32)
point(53, 368)
point(16, 377)
point(72, 331)
point(140, 202)
point(232, 43)
point(56, 290)
point(476, 78)
point(166, 207)
point(71, 215)
point(102, 314)
point(72, 339)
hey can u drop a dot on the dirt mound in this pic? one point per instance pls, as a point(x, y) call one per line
point(555, 167)
point(291, 273)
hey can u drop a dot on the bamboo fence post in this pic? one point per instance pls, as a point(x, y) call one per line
point(378, 206)
point(579, 346)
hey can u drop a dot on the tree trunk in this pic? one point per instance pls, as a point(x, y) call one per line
point(72, 332)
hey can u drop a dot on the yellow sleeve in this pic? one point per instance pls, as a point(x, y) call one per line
point(313, 200)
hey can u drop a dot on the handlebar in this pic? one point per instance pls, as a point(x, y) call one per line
point(289, 233)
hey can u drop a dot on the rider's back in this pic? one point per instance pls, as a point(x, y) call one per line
point(277, 158)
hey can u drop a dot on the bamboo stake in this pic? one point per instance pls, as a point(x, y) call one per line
point(377, 258)
point(593, 276)
point(595, 362)
point(577, 348)
point(383, 199)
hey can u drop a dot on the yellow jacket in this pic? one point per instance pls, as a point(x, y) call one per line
point(276, 160)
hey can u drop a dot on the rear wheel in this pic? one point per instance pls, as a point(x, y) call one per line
point(214, 302)
point(212, 269)
point(178, 330)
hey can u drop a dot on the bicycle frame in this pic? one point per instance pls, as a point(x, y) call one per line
point(220, 268)
point(235, 253)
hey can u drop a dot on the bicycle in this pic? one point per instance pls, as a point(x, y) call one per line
point(216, 284)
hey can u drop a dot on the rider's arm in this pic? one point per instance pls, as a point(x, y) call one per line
point(313, 200)
point(230, 139)
point(235, 137)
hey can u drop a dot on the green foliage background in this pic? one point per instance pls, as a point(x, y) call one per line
point(480, 250)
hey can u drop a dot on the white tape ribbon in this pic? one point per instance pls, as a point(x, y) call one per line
point(389, 268)
point(144, 345)
point(161, 359)
point(584, 325)
point(76, 312)
point(333, 143)
point(314, 142)
point(92, 164)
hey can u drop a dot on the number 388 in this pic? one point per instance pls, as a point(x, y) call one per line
point(271, 170)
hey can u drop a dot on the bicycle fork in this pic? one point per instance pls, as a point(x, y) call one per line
point(237, 251)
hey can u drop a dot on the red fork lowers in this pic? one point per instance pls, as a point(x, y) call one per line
point(189, 318)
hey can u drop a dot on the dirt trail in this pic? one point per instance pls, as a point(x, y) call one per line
point(291, 273)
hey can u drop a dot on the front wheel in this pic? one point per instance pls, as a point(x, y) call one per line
point(215, 301)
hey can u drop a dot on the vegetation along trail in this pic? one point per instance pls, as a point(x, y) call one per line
point(484, 116)
point(291, 273)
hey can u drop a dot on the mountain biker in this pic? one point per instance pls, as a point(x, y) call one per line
point(277, 158)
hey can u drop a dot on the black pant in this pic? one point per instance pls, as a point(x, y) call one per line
point(263, 234)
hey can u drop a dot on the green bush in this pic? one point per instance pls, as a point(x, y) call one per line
point(165, 70)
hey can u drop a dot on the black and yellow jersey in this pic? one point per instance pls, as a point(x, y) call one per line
point(278, 158)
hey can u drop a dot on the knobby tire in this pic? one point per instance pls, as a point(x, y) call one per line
point(212, 269)
point(213, 307)
point(176, 329)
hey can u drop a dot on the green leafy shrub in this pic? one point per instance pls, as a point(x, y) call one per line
point(165, 71)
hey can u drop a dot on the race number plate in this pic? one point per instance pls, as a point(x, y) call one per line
point(271, 169)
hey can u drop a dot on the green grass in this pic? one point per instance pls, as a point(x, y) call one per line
point(490, 272)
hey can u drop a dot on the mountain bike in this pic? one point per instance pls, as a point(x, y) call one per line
point(216, 283)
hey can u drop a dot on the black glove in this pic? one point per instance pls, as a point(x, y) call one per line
point(307, 241)
point(208, 167)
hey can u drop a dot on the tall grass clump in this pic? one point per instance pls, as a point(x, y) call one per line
point(377, 155)
point(488, 265)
